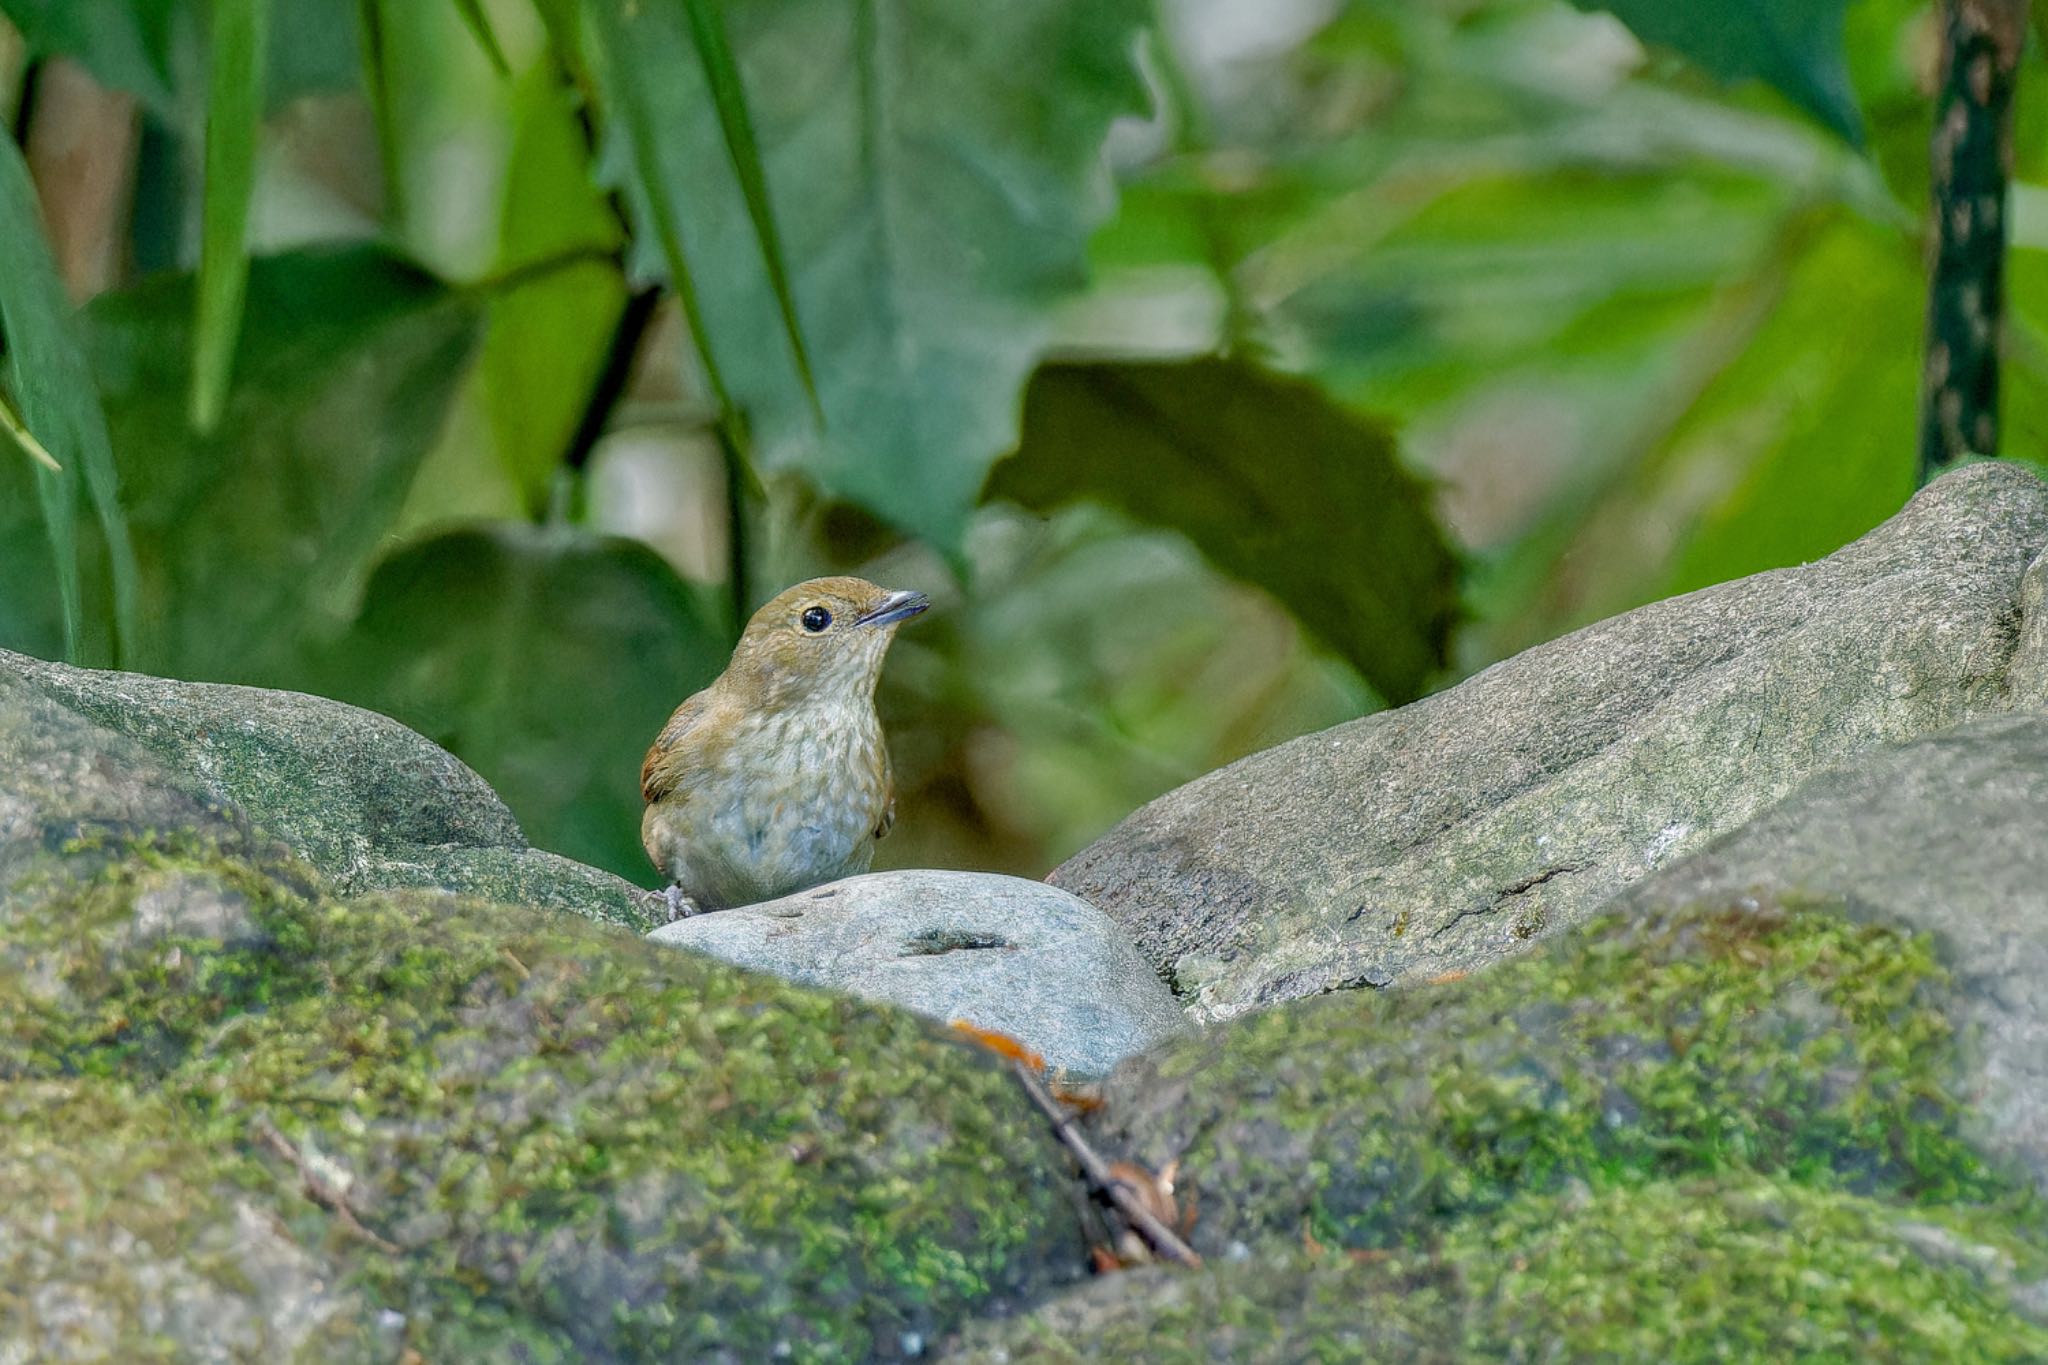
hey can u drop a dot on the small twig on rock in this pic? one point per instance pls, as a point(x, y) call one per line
point(318, 1187)
point(1163, 1239)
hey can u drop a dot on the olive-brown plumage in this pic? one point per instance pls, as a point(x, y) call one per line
point(775, 777)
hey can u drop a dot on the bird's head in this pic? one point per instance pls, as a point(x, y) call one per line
point(821, 640)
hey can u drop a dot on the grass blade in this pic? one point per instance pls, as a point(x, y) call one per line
point(472, 12)
point(721, 71)
point(25, 440)
point(377, 87)
point(59, 407)
point(234, 114)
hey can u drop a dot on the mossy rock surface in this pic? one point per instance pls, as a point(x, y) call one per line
point(411, 1121)
point(1729, 1130)
point(367, 802)
point(1729, 1268)
point(1786, 1040)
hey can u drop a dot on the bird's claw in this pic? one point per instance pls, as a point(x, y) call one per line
point(680, 906)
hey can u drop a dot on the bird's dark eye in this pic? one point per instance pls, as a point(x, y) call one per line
point(816, 619)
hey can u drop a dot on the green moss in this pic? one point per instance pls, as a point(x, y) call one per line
point(583, 1144)
point(124, 1238)
point(1788, 1042)
point(1737, 1268)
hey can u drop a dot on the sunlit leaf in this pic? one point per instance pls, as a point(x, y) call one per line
point(547, 339)
point(1794, 45)
point(234, 113)
point(546, 658)
point(47, 375)
point(479, 25)
point(934, 169)
point(1276, 485)
point(251, 534)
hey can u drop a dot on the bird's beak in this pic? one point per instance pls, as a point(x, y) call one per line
point(897, 606)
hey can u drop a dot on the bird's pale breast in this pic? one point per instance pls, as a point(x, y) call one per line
point(792, 801)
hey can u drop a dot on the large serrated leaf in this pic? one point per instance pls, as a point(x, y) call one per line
point(546, 658)
point(1793, 45)
point(1277, 485)
point(934, 170)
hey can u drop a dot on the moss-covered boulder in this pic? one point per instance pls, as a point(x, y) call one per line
point(1785, 1041)
point(1732, 1129)
point(1947, 835)
point(366, 801)
point(1726, 1268)
point(241, 1118)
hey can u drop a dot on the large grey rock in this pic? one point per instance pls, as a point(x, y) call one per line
point(1947, 835)
point(368, 802)
point(1002, 953)
point(1444, 834)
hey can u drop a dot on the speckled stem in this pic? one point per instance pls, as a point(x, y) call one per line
point(1163, 1239)
point(1971, 155)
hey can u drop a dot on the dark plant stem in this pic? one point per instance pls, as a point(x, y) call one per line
point(1971, 155)
point(612, 378)
point(742, 489)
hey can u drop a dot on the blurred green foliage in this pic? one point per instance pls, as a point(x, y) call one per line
point(1223, 370)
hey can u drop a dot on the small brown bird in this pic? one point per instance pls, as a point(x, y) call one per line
point(775, 777)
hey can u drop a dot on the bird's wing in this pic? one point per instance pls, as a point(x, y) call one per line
point(887, 821)
point(663, 768)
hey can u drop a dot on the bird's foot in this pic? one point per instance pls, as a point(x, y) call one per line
point(680, 906)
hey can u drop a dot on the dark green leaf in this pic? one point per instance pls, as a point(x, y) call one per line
point(125, 44)
point(707, 31)
point(934, 170)
point(1276, 484)
point(47, 375)
point(234, 114)
point(547, 659)
point(343, 378)
point(1794, 45)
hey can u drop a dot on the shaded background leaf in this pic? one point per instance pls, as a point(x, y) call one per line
point(1794, 45)
point(249, 537)
point(1275, 484)
point(547, 657)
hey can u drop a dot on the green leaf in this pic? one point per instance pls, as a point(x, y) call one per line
point(234, 115)
point(250, 534)
point(546, 658)
point(707, 31)
point(47, 374)
point(1274, 483)
point(639, 92)
point(547, 338)
point(1793, 45)
point(934, 170)
point(479, 23)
